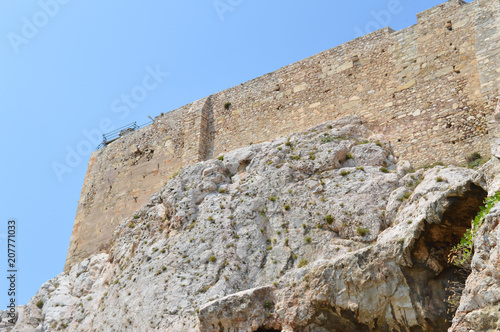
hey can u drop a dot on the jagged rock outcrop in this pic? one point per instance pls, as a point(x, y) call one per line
point(321, 231)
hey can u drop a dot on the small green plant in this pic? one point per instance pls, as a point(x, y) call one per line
point(345, 173)
point(136, 216)
point(212, 259)
point(227, 105)
point(302, 263)
point(378, 143)
point(360, 168)
point(473, 157)
point(222, 191)
point(329, 219)
point(210, 218)
point(268, 304)
point(439, 179)
point(461, 254)
point(221, 158)
point(286, 242)
point(474, 160)
point(272, 199)
point(295, 157)
point(348, 156)
point(287, 207)
point(362, 231)
point(308, 239)
point(131, 225)
point(39, 304)
point(384, 170)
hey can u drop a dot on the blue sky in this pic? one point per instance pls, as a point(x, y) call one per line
point(65, 65)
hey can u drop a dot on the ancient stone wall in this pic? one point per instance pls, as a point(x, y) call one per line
point(430, 88)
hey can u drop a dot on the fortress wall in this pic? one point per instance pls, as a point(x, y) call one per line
point(427, 88)
point(488, 55)
point(122, 176)
point(438, 113)
point(402, 83)
point(320, 88)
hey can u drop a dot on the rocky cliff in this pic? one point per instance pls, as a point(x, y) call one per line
point(320, 231)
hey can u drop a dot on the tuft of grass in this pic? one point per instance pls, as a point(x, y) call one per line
point(329, 219)
point(473, 157)
point(221, 158)
point(131, 225)
point(378, 143)
point(39, 304)
point(384, 170)
point(272, 199)
point(302, 263)
point(348, 156)
point(136, 216)
point(476, 163)
point(345, 173)
point(212, 259)
point(362, 231)
point(439, 179)
point(287, 207)
point(474, 160)
point(221, 191)
point(308, 239)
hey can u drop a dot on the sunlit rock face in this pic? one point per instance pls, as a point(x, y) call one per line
point(320, 231)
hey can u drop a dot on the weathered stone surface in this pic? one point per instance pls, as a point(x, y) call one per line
point(319, 231)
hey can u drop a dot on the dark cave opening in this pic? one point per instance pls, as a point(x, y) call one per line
point(431, 274)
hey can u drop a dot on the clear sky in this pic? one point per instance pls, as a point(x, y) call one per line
point(65, 64)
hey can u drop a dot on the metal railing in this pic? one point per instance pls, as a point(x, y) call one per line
point(120, 132)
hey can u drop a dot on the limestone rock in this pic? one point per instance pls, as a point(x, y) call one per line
point(319, 231)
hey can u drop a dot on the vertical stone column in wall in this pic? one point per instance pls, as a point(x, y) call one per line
point(196, 126)
point(207, 132)
point(488, 56)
